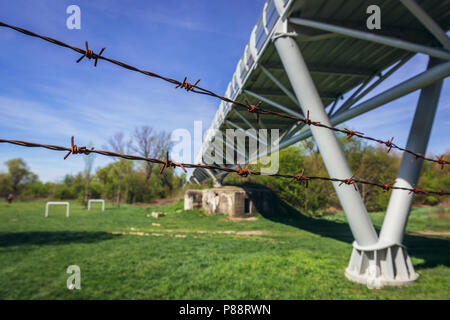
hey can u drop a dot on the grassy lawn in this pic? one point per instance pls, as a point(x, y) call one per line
point(126, 254)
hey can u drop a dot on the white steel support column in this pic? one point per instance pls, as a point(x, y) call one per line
point(409, 172)
point(388, 259)
point(329, 147)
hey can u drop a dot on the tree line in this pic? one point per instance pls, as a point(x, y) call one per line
point(371, 163)
point(121, 180)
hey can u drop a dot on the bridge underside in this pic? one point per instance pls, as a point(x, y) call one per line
point(337, 62)
point(313, 53)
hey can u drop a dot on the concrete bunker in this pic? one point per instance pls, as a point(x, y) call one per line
point(230, 200)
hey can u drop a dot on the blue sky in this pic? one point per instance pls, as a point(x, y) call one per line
point(46, 97)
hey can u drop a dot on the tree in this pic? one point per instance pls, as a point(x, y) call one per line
point(5, 184)
point(19, 175)
point(36, 189)
point(88, 164)
point(119, 145)
point(433, 177)
point(150, 145)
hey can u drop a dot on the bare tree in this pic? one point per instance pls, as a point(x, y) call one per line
point(150, 144)
point(117, 142)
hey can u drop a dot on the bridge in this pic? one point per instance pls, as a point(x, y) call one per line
point(305, 56)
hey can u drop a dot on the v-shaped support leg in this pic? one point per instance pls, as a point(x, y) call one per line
point(375, 262)
point(387, 262)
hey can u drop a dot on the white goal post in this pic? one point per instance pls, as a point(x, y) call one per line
point(96, 200)
point(57, 203)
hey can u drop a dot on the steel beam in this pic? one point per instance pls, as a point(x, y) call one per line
point(215, 181)
point(243, 119)
point(202, 174)
point(331, 70)
point(231, 146)
point(220, 153)
point(239, 128)
point(419, 81)
point(273, 103)
point(356, 96)
point(295, 128)
point(384, 40)
point(279, 84)
point(401, 33)
point(428, 22)
point(278, 93)
point(210, 158)
point(246, 159)
point(330, 149)
point(332, 107)
point(318, 37)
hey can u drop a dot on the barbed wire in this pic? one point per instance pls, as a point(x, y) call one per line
point(243, 172)
point(254, 108)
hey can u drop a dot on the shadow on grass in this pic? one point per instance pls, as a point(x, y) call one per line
point(433, 250)
point(8, 239)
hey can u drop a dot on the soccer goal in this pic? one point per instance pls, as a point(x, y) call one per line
point(57, 203)
point(96, 200)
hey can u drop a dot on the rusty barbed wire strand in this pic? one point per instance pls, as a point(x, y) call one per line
point(243, 172)
point(250, 107)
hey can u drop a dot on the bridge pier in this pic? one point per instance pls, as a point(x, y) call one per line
point(375, 262)
point(389, 260)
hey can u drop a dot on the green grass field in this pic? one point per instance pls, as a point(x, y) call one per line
point(126, 254)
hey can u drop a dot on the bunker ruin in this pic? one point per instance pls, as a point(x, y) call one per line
point(229, 200)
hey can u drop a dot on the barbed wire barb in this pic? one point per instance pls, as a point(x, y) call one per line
point(74, 149)
point(91, 55)
point(186, 85)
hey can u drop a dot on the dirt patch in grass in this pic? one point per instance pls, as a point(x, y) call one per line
point(433, 233)
point(147, 234)
point(252, 233)
point(331, 210)
point(169, 232)
point(238, 233)
point(236, 219)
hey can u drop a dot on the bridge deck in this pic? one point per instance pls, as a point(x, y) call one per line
point(336, 62)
